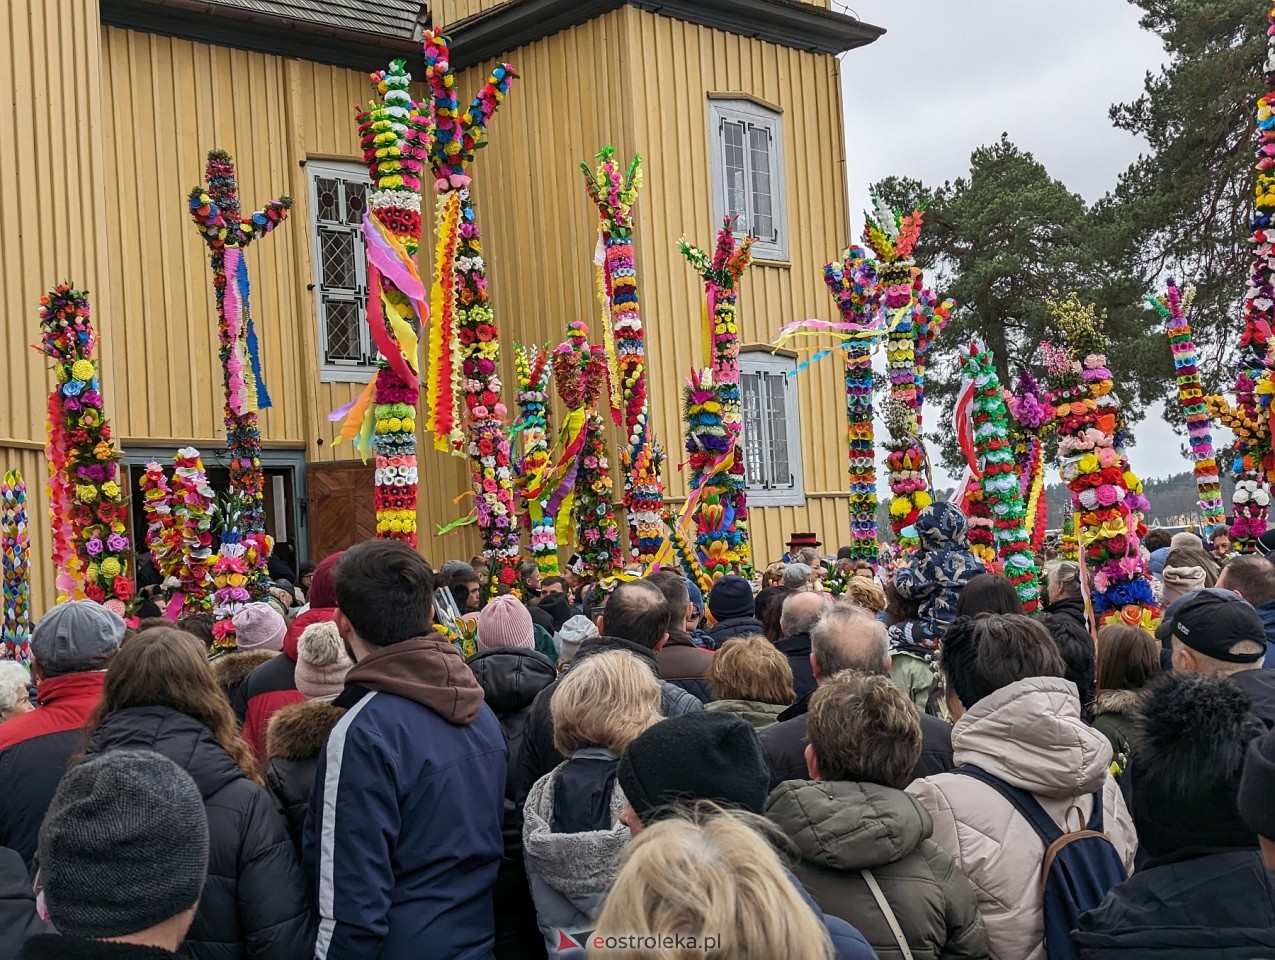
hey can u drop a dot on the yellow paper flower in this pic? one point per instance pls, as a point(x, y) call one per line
point(86, 492)
point(111, 567)
point(110, 489)
point(82, 370)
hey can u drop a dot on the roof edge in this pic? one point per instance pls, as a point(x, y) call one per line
point(488, 35)
point(261, 32)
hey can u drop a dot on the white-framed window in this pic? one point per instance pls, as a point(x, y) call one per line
point(338, 198)
point(746, 142)
point(772, 429)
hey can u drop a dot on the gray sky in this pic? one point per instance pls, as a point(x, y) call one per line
point(960, 72)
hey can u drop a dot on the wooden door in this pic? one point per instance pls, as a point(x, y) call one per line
point(342, 510)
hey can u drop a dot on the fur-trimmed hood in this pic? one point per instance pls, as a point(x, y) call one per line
point(1116, 701)
point(232, 667)
point(298, 731)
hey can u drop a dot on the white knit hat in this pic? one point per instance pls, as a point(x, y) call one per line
point(573, 633)
point(321, 662)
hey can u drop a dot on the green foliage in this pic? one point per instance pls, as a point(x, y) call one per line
point(1185, 207)
point(1002, 241)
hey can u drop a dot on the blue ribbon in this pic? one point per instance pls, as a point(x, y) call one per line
point(254, 348)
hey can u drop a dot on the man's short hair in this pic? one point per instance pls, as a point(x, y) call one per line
point(636, 611)
point(864, 729)
point(1221, 530)
point(797, 576)
point(1157, 538)
point(985, 653)
point(673, 586)
point(551, 581)
point(1252, 577)
point(527, 568)
point(386, 590)
point(801, 611)
point(847, 637)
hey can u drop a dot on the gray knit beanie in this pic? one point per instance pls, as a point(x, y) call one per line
point(124, 845)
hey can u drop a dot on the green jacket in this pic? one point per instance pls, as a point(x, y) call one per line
point(760, 715)
point(913, 675)
point(1115, 717)
point(841, 829)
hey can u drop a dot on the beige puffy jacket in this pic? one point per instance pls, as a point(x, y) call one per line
point(1031, 736)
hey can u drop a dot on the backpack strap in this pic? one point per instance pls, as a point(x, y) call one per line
point(1023, 802)
point(1030, 807)
point(879, 895)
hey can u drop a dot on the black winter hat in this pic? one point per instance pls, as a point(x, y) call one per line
point(705, 755)
point(1257, 788)
point(1184, 776)
point(124, 845)
point(731, 597)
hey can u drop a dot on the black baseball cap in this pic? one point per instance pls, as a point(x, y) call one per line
point(1211, 621)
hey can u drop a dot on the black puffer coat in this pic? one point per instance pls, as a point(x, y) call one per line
point(18, 919)
point(511, 677)
point(294, 739)
point(255, 903)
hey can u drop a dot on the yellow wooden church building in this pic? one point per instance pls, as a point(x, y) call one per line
point(735, 106)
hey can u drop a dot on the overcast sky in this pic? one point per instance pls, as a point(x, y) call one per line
point(950, 76)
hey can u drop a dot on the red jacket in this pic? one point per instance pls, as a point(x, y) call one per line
point(35, 749)
point(273, 685)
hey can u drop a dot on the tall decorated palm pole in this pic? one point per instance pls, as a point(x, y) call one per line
point(614, 190)
point(1253, 465)
point(463, 387)
point(214, 207)
point(911, 325)
point(714, 418)
point(532, 366)
point(393, 133)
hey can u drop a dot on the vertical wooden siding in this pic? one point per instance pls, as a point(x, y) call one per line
point(584, 88)
point(53, 212)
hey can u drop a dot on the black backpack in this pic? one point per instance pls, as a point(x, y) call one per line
point(1079, 869)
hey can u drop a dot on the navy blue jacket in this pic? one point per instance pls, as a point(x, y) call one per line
point(403, 830)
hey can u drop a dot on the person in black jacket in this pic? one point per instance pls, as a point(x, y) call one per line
point(679, 660)
point(733, 608)
point(801, 611)
point(123, 859)
point(160, 696)
point(1062, 593)
point(18, 919)
point(1205, 891)
point(296, 733)
point(511, 675)
point(635, 619)
point(847, 637)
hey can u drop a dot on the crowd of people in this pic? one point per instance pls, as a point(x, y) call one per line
point(835, 761)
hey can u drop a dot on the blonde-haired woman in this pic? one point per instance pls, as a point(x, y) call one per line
point(751, 679)
point(706, 885)
point(572, 834)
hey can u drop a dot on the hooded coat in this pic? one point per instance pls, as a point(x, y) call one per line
point(734, 627)
point(511, 677)
point(1030, 735)
point(841, 829)
point(231, 669)
point(294, 740)
point(942, 567)
point(403, 831)
point(1115, 717)
point(254, 902)
point(570, 873)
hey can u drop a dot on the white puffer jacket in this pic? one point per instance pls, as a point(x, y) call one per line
point(1031, 736)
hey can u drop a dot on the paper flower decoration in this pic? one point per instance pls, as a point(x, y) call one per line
point(87, 504)
point(1106, 496)
point(533, 369)
point(215, 210)
point(1001, 486)
point(1194, 405)
point(463, 385)
point(713, 412)
point(1031, 414)
point(614, 191)
point(15, 570)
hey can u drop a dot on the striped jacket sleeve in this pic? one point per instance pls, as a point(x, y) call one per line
point(353, 825)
